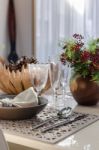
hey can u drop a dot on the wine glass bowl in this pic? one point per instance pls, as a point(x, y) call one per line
point(64, 75)
point(59, 82)
point(39, 76)
point(54, 75)
point(54, 80)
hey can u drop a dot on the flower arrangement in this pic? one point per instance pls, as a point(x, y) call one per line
point(84, 58)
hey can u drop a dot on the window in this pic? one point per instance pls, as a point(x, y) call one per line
point(59, 19)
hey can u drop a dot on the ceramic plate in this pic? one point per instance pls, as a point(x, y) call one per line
point(18, 113)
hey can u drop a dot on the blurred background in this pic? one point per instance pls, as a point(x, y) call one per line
point(42, 24)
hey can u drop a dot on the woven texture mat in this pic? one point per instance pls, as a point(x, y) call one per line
point(24, 127)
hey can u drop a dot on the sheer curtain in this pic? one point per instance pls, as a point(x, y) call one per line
point(60, 19)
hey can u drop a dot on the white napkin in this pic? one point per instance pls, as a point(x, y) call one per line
point(25, 98)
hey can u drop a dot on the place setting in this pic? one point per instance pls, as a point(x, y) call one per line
point(20, 99)
point(29, 112)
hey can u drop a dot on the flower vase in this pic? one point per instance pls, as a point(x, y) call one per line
point(84, 90)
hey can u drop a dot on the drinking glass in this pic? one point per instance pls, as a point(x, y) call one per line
point(39, 76)
point(55, 79)
point(59, 81)
point(64, 79)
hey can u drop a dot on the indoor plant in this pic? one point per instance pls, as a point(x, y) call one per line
point(84, 59)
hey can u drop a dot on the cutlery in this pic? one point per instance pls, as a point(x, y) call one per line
point(62, 114)
point(44, 122)
point(65, 122)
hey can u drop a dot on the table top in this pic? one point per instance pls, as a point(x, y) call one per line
point(85, 139)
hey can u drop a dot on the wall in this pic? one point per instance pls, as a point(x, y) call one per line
point(24, 26)
point(3, 28)
point(23, 10)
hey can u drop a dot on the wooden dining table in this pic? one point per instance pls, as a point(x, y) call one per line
point(85, 139)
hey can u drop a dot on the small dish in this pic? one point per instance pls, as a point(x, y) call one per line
point(18, 113)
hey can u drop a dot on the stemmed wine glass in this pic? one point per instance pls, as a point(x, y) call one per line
point(59, 80)
point(64, 78)
point(39, 76)
point(64, 74)
point(54, 79)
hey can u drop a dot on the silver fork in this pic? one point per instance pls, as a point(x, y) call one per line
point(65, 122)
point(44, 122)
point(62, 114)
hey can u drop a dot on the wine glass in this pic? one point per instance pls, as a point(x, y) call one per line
point(54, 79)
point(64, 79)
point(59, 79)
point(64, 74)
point(39, 76)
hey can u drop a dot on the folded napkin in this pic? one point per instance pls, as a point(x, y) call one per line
point(24, 99)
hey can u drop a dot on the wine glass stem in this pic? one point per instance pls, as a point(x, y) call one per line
point(55, 98)
point(63, 96)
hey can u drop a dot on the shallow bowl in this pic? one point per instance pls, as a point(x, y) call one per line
point(18, 113)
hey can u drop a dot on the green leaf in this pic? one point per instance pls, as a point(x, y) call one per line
point(95, 76)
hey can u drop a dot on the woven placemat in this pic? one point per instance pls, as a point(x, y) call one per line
point(25, 127)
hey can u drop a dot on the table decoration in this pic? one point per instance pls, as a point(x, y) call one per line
point(25, 129)
point(15, 77)
point(84, 59)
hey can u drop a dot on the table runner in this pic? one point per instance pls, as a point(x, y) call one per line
point(24, 127)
